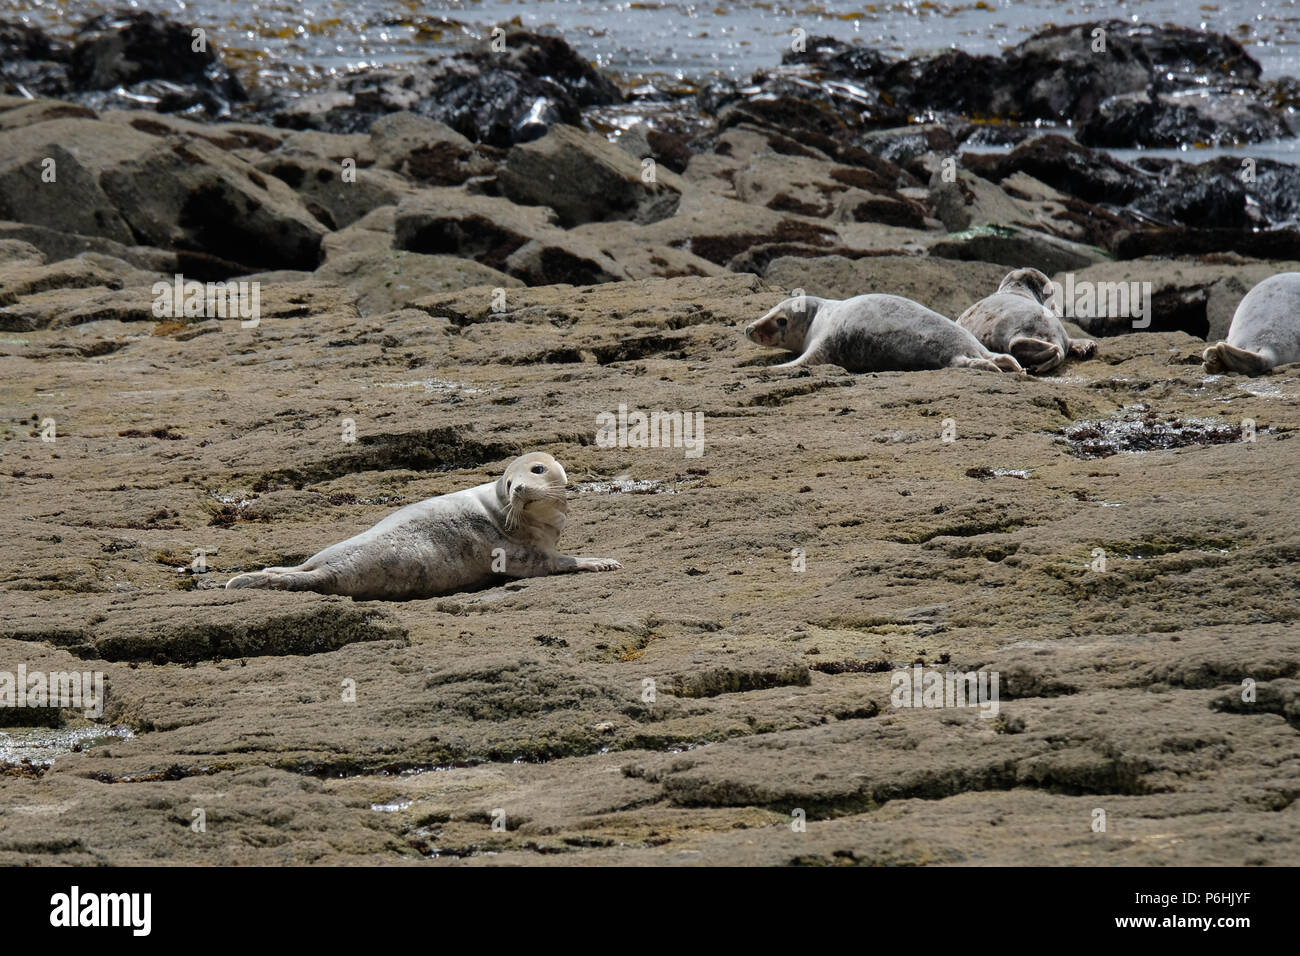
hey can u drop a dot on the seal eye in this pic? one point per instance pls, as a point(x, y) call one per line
point(780, 323)
point(538, 469)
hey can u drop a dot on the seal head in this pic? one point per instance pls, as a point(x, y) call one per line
point(532, 488)
point(786, 326)
point(1028, 282)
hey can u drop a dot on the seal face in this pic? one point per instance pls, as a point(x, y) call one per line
point(872, 333)
point(1265, 329)
point(1016, 319)
point(456, 542)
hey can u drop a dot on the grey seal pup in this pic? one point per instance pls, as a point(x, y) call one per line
point(454, 542)
point(1265, 329)
point(872, 333)
point(1016, 319)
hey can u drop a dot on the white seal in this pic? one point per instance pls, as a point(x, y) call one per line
point(506, 528)
point(1265, 329)
point(872, 333)
point(1016, 319)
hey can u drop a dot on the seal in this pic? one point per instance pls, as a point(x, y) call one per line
point(1016, 319)
point(872, 333)
point(1265, 329)
point(454, 542)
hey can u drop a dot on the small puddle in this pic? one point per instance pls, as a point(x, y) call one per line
point(40, 745)
point(1147, 432)
point(984, 474)
point(393, 806)
point(623, 486)
point(434, 385)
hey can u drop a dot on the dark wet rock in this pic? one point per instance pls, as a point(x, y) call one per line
point(1186, 53)
point(842, 59)
point(500, 99)
point(1054, 75)
point(1146, 432)
point(1218, 193)
point(808, 116)
point(903, 144)
point(31, 61)
point(1185, 241)
point(586, 178)
point(1223, 193)
point(1065, 165)
point(141, 60)
point(1170, 120)
point(1200, 195)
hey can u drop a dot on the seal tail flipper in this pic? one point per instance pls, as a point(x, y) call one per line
point(1223, 357)
point(1083, 348)
point(253, 579)
point(812, 356)
point(1035, 354)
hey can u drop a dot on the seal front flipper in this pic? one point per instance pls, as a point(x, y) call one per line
point(594, 564)
point(1083, 348)
point(283, 579)
point(541, 565)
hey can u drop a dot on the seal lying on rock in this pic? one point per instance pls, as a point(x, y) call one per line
point(456, 542)
point(872, 333)
point(1016, 319)
point(1265, 329)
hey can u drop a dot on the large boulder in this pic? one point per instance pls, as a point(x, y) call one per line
point(130, 58)
point(336, 196)
point(1017, 248)
point(518, 240)
point(136, 189)
point(1062, 163)
point(426, 151)
point(31, 61)
point(1196, 117)
point(586, 178)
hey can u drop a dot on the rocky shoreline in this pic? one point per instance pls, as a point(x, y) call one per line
point(460, 260)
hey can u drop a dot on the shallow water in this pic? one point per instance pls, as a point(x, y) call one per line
point(41, 745)
point(305, 38)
